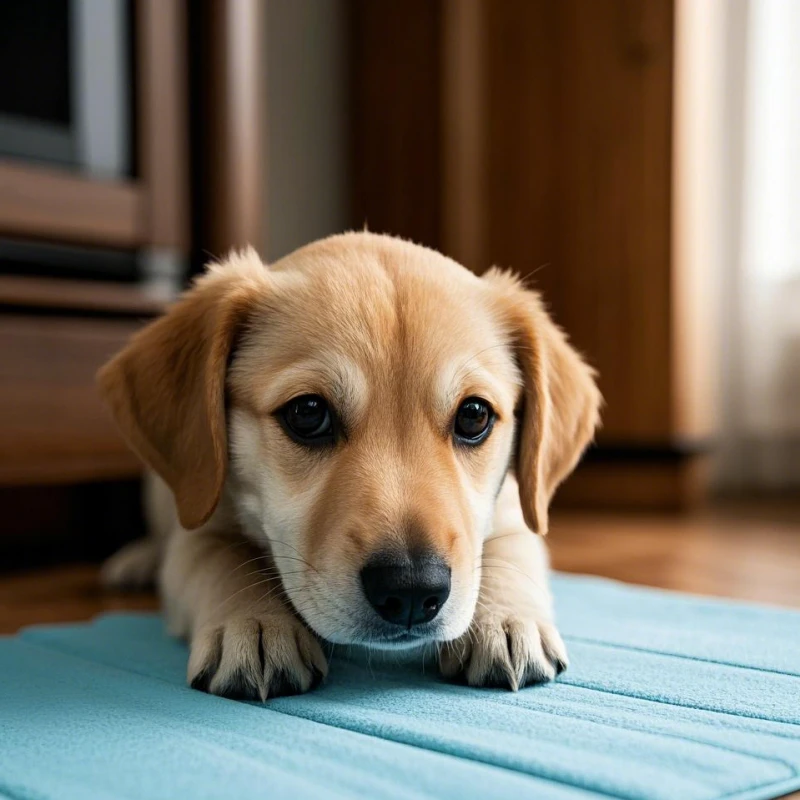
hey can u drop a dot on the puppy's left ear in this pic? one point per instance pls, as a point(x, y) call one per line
point(560, 405)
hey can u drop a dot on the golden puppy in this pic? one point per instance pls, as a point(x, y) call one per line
point(340, 432)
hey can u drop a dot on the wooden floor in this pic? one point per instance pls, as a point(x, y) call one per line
point(747, 551)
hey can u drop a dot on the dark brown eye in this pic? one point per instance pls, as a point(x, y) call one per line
point(308, 420)
point(473, 422)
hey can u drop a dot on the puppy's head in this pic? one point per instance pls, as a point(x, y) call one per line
point(360, 403)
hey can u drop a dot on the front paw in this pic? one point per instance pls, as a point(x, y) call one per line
point(253, 658)
point(506, 651)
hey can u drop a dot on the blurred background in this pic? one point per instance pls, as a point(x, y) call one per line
point(637, 160)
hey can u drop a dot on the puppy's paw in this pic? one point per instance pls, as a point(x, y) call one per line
point(505, 651)
point(253, 658)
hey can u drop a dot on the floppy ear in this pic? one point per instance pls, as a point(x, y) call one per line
point(560, 407)
point(166, 389)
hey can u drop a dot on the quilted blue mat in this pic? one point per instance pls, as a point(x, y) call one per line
point(667, 696)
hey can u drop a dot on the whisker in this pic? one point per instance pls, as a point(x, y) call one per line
point(537, 584)
point(292, 547)
point(244, 563)
point(238, 592)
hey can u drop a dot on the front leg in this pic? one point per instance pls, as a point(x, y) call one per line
point(246, 641)
point(512, 640)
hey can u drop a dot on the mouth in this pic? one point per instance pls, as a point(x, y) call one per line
point(402, 640)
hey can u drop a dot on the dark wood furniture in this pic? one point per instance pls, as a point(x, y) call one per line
point(232, 74)
point(149, 211)
point(53, 337)
point(199, 63)
point(563, 139)
point(54, 334)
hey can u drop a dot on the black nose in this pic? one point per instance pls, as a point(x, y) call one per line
point(407, 592)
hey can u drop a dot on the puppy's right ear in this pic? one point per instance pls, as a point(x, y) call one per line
point(166, 389)
point(560, 408)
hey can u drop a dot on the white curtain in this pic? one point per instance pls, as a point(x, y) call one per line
point(761, 332)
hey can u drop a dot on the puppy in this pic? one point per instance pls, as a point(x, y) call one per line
point(361, 441)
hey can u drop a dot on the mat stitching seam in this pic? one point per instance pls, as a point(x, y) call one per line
point(616, 646)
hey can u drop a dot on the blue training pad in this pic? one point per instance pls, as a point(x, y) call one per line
point(667, 696)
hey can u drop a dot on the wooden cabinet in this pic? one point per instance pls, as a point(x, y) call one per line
point(68, 483)
point(55, 333)
point(194, 193)
point(52, 341)
point(149, 210)
point(554, 137)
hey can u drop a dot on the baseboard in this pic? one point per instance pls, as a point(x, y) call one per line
point(769, 463)
point(665, 482)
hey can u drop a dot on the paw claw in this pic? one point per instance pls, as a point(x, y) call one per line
point(506, 652)
point(201, 681)
point(255, 659)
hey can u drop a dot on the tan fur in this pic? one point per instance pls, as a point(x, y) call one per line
point(272, 536)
